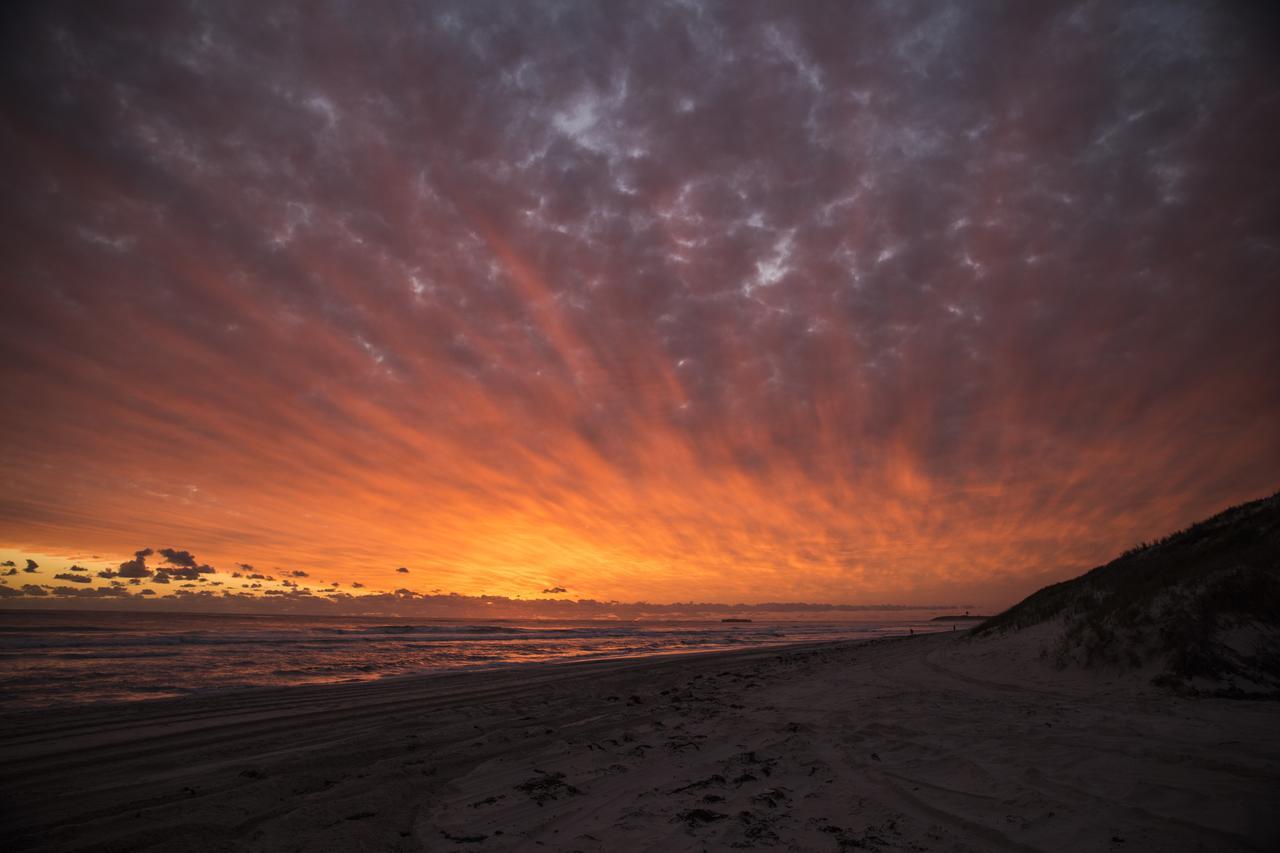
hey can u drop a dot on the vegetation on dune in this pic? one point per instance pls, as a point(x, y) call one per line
point(1202, 606)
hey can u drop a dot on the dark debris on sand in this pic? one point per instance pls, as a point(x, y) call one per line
point(547, 786)
point(700, 817)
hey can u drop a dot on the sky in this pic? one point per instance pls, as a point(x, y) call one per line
point(900, 302)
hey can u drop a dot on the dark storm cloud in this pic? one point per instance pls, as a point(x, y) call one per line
point(814, 297)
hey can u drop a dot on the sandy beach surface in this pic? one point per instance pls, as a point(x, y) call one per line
point(927, 743)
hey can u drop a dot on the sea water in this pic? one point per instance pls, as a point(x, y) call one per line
point(63, 657)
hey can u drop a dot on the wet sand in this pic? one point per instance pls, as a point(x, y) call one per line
point(926, 743)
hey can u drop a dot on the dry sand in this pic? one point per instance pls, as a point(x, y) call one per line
point(928, 743)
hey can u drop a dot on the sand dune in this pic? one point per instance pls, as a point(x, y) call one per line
point(1197, 611)
point(929, 743)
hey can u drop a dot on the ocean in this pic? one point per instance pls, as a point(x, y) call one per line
point(50, 658)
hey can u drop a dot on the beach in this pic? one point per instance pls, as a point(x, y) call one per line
point(919, 743)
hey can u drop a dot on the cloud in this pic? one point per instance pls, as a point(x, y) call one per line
point(192, 573)
point(94, 592)
point(31, 566)
point(733, 302)
point(7, 563)
point(74, 578)
point(402, 570)
point(137, 567)
point(555, 590)
point(178, 558)
point(32, 589)
point(297, 573)
point(182, 565)
point(9, 572)
point(9, 592)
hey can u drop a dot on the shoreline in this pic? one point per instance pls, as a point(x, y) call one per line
point(254, 702)
point(889, 743)
point(56, 664)
point(16, 715)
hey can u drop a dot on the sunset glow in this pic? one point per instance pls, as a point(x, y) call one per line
point(740, 303)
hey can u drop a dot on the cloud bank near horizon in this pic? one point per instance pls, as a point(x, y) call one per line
point(241, 592)
point(662, 301)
